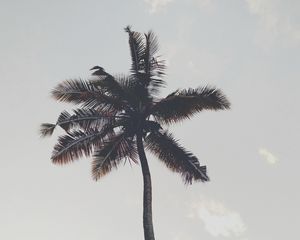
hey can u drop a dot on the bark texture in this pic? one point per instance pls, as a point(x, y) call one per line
point(147, 199)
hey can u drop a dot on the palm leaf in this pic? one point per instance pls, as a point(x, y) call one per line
point(152, 65)
point(77, 144)
point(176, 158)
point(137, 49)
point(151, 69)
point(131, 89)
point(47, 129)
point(111, 153)
point(121, 87)
point(146, 68)
point(85, 119)
point(183, 104)
point(110, 86)
point(82, 92)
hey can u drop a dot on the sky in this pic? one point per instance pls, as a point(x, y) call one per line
point(248, 48)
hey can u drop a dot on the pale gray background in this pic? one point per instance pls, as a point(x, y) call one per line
point(248, 48)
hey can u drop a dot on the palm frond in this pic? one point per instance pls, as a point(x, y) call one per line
point(152, 68)
point(152, 64)
point(167, 149)
point(183, 104)
point(137, 91)
point(151, 45)
point(155, 85)
point(131, 89)
point(82, 92)
point(109, 85)
point(121, 87)
point(146, 67)
point(85, 119)
point(137, 49)
point(111, 153)
point(77, 144)
point(46, 129)
point(151, 84)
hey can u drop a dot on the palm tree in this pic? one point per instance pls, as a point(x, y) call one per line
point(119, 116)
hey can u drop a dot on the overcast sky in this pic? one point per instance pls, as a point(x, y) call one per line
point(248, 48)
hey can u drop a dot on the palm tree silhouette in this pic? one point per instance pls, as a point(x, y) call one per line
point(119, 116)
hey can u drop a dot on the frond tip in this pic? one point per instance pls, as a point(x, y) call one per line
point(47, 129)
point(175, 157)
point(127, 29)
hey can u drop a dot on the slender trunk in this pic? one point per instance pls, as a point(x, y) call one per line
point(147, 200)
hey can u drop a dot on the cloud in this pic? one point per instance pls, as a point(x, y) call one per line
point(268, 156)
point(157, 5)
point(278, 18)
point(217, 219)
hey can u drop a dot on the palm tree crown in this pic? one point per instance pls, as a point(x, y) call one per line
point(117, 114)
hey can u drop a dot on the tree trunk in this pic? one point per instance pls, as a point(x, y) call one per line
point(147, 201)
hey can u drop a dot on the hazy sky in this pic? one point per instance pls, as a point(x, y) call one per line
point(248, 48)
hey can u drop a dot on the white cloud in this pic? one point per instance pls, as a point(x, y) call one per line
point(268, 156)
point(217, 219)
point(157, 5)
point(278, 18)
